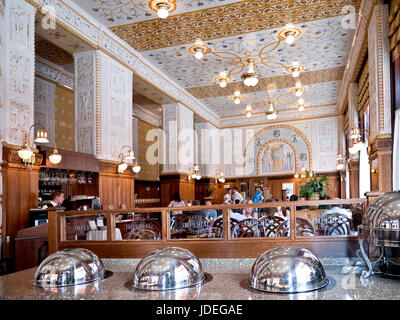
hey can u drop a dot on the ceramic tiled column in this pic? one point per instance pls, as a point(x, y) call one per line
point(17, 61)
point(354, 161)
point(380, 96)
point(177, 153)
point(103, 105)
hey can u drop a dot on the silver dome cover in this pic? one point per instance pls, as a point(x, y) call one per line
point(69, 267)
point(381, 224)
point(167, 269)
point(287, 270)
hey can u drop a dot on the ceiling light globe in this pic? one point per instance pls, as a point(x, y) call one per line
point(295, 74)
point(289, 39)
point(199, 54)
point(340, 166)
point(222, 83)
point(198, 177)
point(248, 108)
point(301, 108)
point(236, 100)
point(299, 93)
point(251, 81)
point(248, 114)
point(162, 13)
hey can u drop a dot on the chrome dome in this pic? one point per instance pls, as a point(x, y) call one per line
point(381, 224)
point(69, 267)
point(167, 269)
point(287, 270)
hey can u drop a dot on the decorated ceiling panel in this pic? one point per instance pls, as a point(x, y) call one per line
point(234, 31)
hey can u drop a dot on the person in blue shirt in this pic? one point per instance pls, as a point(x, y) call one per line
point(211, 214)
point(258, 196)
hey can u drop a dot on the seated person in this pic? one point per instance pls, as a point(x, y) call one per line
point(196, 212)
point(211, 214)
point(281, 212)
point(234, 215)
point(250, 213)
point(336, 208)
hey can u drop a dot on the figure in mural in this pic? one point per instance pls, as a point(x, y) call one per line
point(267, 161)
point(277, 158)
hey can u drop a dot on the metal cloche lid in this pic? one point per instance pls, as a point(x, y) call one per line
point(167, 269)
point(69, 267)
point(287, 270)
point(381, 224)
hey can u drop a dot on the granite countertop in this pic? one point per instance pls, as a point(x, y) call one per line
point(228, 282)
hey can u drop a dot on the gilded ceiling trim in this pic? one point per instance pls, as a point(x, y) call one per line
point(225, 21)
point(280, 82)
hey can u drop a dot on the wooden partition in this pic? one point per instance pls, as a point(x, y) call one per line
point(224, 247)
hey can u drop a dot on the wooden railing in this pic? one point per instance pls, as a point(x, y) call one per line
point(225, 247)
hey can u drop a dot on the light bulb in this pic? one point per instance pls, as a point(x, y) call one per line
point(248, 108)
point(295, 74)
point(248, 114)
point(301, 101)
point(301, 107)
point(299, 92)
point(296, 175)
point(289, 39)
point(236, 100)
point(222, 83)
point(162, 13)
point(198, 54)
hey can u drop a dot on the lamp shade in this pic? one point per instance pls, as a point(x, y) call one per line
point(136, 168)
point(41, 136)
point(25, 153)
point(55, 157)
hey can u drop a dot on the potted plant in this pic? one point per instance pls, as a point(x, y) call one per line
point(209, 193)
point(314, 189)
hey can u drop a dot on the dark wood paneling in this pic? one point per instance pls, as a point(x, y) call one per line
point(116, 189)
point(75, 161)
point(354, 176)
point(176, 183)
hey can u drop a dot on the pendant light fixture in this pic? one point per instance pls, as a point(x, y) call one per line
point(162, 7)
point(250, 78)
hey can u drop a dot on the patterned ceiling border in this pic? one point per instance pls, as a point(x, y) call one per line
point(358, 50)
point(279, 82)
point(70, 17)
point(226, 20)
point(54, 73)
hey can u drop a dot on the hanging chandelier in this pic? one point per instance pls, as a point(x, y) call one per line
point(249, 60)
point(271, 113)
point(162, 7)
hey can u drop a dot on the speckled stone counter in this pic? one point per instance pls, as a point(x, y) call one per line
point(228, 282)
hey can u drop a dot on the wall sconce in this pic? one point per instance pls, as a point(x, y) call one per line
point(339, 159)
point(195, 174)
point(26, 152)
point(122, 166)
point(357, 143)
point(55, 157)
point(221, 177)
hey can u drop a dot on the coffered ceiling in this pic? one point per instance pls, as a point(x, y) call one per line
point(232, 28)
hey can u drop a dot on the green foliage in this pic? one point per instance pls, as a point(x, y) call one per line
point(210, 191)
point(315, 185)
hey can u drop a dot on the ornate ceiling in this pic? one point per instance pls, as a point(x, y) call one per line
point(235, 27)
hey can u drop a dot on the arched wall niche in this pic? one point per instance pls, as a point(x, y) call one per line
point(277, 135)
